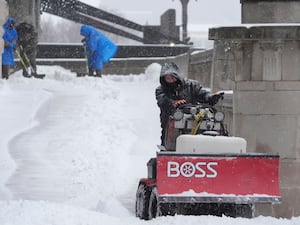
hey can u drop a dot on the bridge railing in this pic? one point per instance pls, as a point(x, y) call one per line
point(76, 50)
point(130, 59)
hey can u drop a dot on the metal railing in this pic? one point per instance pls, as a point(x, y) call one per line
point(75, 51)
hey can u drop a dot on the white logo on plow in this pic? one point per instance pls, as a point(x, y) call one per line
point(189, 169)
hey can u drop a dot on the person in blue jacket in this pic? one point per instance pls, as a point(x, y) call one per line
point(10, 38)
point(99, 49)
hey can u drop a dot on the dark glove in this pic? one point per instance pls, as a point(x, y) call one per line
point(214, 98)
point(178, 103)
point(83, 40)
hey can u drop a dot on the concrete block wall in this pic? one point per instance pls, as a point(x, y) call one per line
point(200, 65)
point(120, 66)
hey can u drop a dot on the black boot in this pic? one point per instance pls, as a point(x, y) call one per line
point(91, 71)
point(98, 73)
point(25, 73)
point(5, 71)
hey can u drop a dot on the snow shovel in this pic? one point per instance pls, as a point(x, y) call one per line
point(33, 71)
point(82, 74)
point(27, 64)
point(22, 61)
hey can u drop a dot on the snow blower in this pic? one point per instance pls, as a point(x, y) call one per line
point(204, 171)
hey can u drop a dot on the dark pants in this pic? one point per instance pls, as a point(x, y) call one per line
point(5, 71)
point(164, 120)
point(92, 72)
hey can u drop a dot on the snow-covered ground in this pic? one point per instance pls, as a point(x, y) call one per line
point(73, 149)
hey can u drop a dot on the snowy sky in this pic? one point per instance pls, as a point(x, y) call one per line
point(73, 149)
point(145, 12)
point(200, 11)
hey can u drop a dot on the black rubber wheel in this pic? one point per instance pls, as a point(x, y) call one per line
point(142, 202)
point(154, 210)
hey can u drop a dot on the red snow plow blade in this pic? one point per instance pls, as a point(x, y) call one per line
point(236, 178)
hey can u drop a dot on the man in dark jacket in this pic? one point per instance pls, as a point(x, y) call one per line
point(27, 44)
point(175, 91)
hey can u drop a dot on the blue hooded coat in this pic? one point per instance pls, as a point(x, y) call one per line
point(10, 36)
point(99, 48)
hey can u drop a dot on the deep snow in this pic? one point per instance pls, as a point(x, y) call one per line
point(73, 150)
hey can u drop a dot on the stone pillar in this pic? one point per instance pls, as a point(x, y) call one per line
point(25, 11)
point(261, 66)
point(168, 27)
point(3, 17)
point(270, 11)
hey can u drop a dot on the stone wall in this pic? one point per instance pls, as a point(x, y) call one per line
point(261, 66)
point(200, 65)
point(120, 66)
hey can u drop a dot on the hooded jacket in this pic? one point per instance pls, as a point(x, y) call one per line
point(167, 94)
point(99, 48)
point(27, 36)
point(10, 38)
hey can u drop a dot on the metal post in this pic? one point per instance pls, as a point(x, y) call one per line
point(184, 19)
